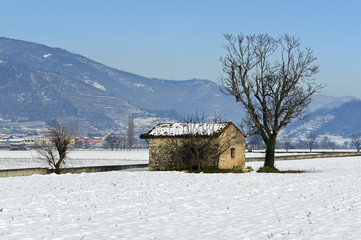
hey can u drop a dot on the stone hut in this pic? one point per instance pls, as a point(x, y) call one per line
point(182, 146)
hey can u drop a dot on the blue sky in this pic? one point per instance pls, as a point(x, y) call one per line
point(183, 39)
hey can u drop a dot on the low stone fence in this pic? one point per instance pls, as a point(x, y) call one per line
point(23, 172)
point(44, 171)
point(101, 168)
point(308, 156)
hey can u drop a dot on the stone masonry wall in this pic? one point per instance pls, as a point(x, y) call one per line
point(163, 152)
point(162, 155)
point(235, 139)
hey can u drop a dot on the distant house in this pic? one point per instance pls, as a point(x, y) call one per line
point(89, 140)
point(251, 147)
point(94, 140)
point(80, 140)
point(181, 146)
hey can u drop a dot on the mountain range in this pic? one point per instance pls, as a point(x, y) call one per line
point(39, 83)
point(339, 121)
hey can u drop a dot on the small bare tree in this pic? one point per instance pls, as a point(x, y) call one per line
point(56, 144)
point(310, 140)
point(130, 132)
point(356, 140)
point(287, 140)
point(327, 143)
point(272, 78)
point(122, 142)
point(111, 141)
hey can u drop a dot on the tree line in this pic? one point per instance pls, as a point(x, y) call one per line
point(310, 142)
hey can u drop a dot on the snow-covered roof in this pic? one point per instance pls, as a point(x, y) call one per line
point(185, 129)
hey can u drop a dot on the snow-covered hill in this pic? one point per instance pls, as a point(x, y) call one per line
point(320, 101)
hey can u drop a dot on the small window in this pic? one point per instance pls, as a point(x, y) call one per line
point(233, 152)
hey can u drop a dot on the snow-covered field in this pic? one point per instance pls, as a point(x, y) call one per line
point(30, 159)
point(138, 204)
point(79, 158)
point(261, 153)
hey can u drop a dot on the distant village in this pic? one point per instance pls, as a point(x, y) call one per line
point(112, 141)
point(119, 142)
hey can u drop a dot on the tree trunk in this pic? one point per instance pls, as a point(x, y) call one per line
point(197, 157)
point(270, 152)
point(57, 167)
point(58, 164)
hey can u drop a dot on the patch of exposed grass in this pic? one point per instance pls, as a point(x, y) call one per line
point(250, 169)
point(216, 171)
point(294, 171)
point(268, 170)
point(275, 170)
point(238, 169)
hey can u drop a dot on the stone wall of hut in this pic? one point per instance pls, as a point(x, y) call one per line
point(235, 141)
point(165, 154)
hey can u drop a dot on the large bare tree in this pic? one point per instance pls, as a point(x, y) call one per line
point(55, 145)
point(273, 79)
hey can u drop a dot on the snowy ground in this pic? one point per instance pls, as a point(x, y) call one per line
point(137, 204)
point(261, 153)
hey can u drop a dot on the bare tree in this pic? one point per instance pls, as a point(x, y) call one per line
point(327, 143)
point(272, 78)
point(130, 132)
point(287, 140)
point(111, 141)
point(122, 142)
point(55, 145)
point(310, 140)
point(356, 140)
